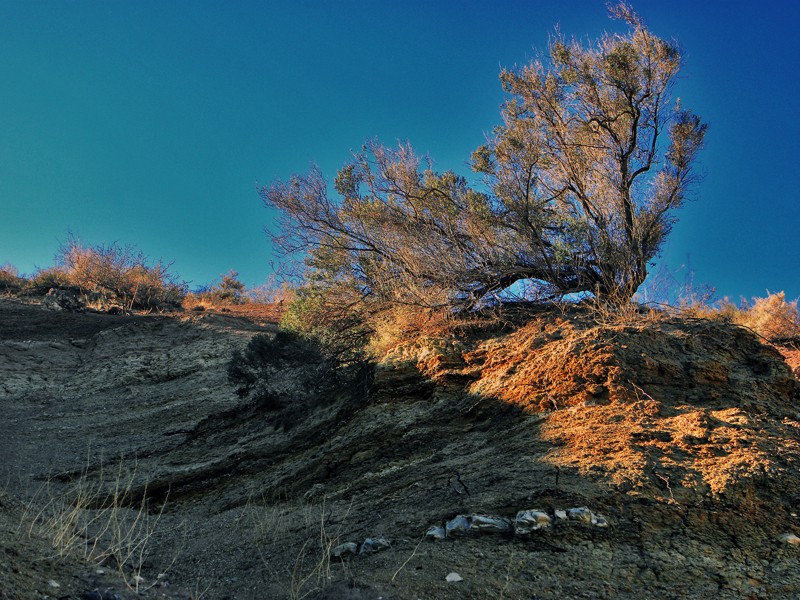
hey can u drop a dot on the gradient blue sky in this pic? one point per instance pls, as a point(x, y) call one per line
point(151, 122)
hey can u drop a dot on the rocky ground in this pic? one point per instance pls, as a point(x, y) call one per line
point(680, 439)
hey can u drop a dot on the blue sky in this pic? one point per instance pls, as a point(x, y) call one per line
point(151, 122)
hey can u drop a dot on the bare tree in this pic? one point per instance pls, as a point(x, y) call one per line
point(581, 181)
point(593, 156)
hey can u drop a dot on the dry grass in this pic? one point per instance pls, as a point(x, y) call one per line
point(312, 568)
point(103, 525)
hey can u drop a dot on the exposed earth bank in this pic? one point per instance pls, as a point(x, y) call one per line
point(679, 438)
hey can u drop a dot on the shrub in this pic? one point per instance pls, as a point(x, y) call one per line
point(44, 280)
point(772, 317)
point(119, 275)
point(582, 181)
point(332, 319)
point(287, 375)
point(225, 292)
point(283, 375)
point(10, 281)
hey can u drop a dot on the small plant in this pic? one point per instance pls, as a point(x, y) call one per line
point(306, 580)
point(311, 569)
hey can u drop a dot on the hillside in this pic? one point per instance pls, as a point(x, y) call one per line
point(659, 456)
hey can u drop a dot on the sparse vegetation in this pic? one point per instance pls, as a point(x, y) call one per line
point(227, 291)
point(106, 526)
point(103, 276)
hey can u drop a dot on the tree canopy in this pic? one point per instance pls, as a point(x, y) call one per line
point(579, 187)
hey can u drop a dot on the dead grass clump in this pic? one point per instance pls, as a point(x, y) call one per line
point(605, 314)
point(107, 526)
point(551, 363)
point(403, 324)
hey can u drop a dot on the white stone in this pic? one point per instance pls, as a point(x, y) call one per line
point(531, 520)
point(373, 545)
point(53, 584)
point(790, 538)
point(453, 578)
point(436, 533)
point(599, 521)
point(581, 513)
point(457, 525)
point(489, 524)
point(561, 515)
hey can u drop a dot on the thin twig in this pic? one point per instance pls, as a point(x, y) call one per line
point(396, 573)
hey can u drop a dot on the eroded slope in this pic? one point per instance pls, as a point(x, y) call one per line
point(682, 434)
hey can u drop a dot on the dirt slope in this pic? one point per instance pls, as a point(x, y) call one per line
point(680, 437)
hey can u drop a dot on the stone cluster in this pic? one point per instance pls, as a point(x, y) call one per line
point(525, 522)
point(368, 546)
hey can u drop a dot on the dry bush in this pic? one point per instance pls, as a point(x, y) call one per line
point(44, 280)
point(10, 281)
point(773, 317)
point(119, 275)
point(272, 292)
